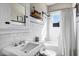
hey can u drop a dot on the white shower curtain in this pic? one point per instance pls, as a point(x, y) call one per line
point(67, 25)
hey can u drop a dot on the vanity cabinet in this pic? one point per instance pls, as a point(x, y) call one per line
point(6, 16)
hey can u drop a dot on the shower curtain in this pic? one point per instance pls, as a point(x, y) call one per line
point(68, 32)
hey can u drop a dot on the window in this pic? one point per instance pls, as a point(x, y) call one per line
point(56, 17)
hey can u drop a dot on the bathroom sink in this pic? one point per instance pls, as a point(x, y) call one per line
point(29, 49)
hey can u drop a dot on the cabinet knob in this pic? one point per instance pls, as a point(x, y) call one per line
point(7, 22)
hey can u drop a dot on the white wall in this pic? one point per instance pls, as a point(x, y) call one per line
point(7, 38)
point(37, 28)
point(77, 35)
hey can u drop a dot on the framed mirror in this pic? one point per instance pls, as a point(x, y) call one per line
point(18, 12)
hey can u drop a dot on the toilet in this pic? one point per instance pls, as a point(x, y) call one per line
point(49, 51)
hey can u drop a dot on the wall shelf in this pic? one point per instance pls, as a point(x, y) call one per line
point(36, 15)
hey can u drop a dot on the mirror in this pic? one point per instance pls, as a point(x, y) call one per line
point(18, 12)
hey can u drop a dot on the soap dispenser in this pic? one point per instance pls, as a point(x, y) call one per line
point(36, 39)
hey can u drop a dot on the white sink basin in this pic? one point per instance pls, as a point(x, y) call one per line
point(29, 49)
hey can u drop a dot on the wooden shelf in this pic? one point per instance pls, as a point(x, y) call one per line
point(36, 14)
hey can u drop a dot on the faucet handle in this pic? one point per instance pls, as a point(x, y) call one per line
point(22, 42)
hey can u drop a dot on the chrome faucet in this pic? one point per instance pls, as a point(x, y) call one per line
point(19, 43)
point(22, 42)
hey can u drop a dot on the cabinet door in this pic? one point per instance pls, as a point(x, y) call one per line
point(4, 14)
